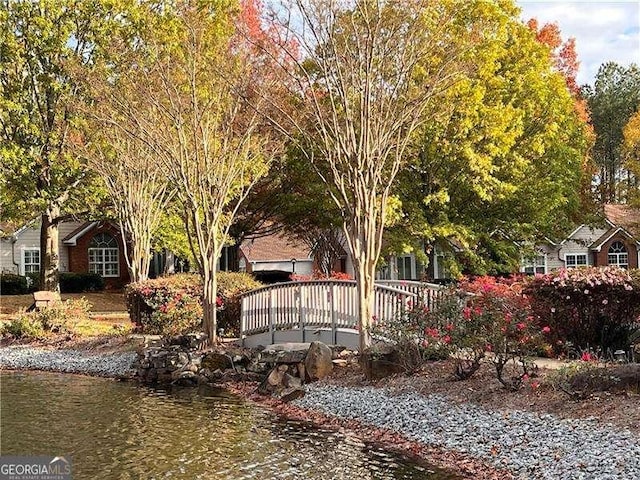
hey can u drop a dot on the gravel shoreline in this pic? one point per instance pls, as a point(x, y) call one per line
point(532, 446)
point(67, 361)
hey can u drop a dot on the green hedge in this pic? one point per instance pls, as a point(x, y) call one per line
point(12, 284)
point(173, 305)
point(80, 282)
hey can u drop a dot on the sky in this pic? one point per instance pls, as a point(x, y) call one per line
point(604, 30)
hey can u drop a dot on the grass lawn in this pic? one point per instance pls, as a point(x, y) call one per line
point(102, 302)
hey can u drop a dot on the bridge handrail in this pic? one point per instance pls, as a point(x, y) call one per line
point(324, 304)
point(276, 286)
point(412, 283)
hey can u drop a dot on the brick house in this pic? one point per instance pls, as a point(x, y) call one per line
point(94, 247)
point(97, 247)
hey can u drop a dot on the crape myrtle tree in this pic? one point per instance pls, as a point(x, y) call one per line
point(186, 96)
point(137, 187)
point(368, 75)
point(504, 161)
point(45, 47)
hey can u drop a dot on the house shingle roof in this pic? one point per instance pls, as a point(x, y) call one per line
point(274, 248)
point(78, 230)
point(624, 216)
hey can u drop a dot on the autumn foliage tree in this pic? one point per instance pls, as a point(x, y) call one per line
point(503, 161)
point(631, 153)
point(613, 99)
point(45, 46)
point(184, 93)
point(565, 59)
point(367, 76)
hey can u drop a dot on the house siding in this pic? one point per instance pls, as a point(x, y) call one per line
point(28, 239)
point(553, 260)
point(580, 241)
point(6, 257)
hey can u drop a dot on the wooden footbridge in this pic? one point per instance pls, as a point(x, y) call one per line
point(323, 310)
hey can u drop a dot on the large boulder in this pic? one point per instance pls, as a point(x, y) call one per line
point(284, 353)
point(274, 381)
point(379, 361)
point(216, 361)
point(318, 362)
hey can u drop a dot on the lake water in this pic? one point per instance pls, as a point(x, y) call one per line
point(119, 430)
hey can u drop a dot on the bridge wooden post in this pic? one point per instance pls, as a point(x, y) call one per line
point(243, 321)
point(334, 313)
point(301, 312)
point(271, 316)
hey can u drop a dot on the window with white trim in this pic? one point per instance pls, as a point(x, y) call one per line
point(104, 256)
point(574, 260)
point(618, 255)
point(537, 264)
point(31, 260)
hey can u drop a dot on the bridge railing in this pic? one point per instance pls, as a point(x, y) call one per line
point(322, 304)
point(427, 294)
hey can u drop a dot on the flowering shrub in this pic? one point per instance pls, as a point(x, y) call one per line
point(498, 320)
point(173, 305)
point(231, 286)
point(588, 307)
point(417, 335)
point(495, 319)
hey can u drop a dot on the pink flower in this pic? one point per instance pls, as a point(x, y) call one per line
point(488, 347)
point(587, 357)
point(521, 326)
point(546, 329)
point(431, 332)
point(449, 327)
point(525, 377)
point(466, 313)
point(446, 339)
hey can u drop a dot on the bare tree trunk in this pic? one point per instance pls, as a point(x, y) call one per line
point(365, 282)
point(49, 250)
point(364, 238)
point(209, 306)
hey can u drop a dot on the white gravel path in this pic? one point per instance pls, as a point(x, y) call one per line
point(530, 445)
point(68, 361)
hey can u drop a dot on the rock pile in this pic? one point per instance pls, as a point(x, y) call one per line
point(281, 369)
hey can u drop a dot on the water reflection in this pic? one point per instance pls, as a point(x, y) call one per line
point(115, 430)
